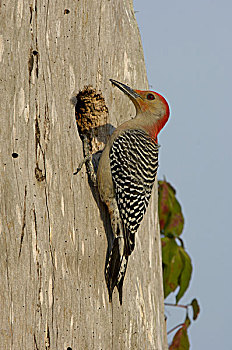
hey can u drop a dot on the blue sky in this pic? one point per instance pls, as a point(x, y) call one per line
point(188, 53)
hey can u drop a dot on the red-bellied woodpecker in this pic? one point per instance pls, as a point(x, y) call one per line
point(126, 174)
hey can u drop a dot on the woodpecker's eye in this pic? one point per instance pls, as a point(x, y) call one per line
point(150, 97)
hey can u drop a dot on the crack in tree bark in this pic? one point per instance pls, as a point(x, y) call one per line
point(24, 221)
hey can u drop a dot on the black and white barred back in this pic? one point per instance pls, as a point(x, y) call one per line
point(134, 164)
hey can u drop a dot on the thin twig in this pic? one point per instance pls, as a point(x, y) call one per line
point(173, 329)
point(177, 305)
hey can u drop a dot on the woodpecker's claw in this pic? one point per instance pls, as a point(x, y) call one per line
point(86, 159)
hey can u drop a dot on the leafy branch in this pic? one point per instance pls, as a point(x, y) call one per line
point(177, 265)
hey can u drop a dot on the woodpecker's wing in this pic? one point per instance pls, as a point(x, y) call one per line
point(134, 164)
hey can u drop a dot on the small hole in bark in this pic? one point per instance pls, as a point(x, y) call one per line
point(35, 52)
point(66, 11)
point(15, 155)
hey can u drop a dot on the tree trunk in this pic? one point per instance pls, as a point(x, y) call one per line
point(53, 239)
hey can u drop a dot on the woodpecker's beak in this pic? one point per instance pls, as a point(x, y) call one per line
point(126, 89)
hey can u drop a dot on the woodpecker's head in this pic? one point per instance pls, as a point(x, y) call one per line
point(149, 105)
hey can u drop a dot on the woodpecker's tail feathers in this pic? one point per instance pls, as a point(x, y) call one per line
point(121, 276)
point(116, 268)
point(129, 238)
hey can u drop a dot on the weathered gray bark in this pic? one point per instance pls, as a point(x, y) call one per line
point(53, 242)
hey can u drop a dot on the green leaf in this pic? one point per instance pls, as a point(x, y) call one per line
point(180, 340)
point(177, 267)
point(185, 274)
point(187, 321)
point(196, 308)
point(170, 214)
point(169, 248)
point(172, 265)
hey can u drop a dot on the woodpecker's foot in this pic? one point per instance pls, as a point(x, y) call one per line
point(81, 165)
point(90, 169)
point(87, 161)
